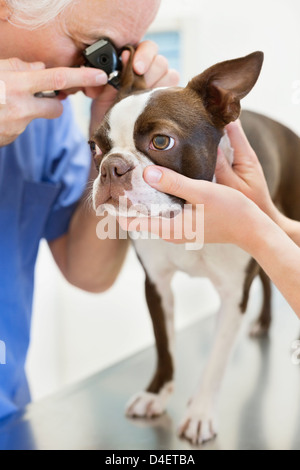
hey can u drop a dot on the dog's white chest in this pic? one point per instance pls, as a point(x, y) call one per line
point(220, 263)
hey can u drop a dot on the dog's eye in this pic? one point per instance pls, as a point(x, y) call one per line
point(162, 142)
point(96, 151)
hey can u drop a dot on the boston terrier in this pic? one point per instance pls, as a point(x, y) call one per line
point(181, 129)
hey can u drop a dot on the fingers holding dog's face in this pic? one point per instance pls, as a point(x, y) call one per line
point(154, 66)
point(160, 75)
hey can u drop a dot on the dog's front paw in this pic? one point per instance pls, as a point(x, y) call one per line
point(149, 405)
point(197, 427)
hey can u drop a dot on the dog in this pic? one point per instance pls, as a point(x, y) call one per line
point(181, 129)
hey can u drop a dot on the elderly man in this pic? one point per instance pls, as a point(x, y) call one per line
point(45, 163)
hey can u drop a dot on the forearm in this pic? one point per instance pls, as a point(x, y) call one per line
point(86, 261)
point(291, 227)
point(92, 264)
point(277, 254)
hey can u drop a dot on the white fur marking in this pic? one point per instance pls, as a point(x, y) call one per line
point(122, 130)
point(225, 145)
point(149, 405)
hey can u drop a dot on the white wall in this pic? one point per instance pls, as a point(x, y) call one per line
point(215, 30)
point(76, 334)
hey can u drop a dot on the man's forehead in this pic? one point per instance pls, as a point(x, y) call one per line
point(123, 21)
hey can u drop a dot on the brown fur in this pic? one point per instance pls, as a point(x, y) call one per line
point(130, 81)
point(222, 86)
point(264, 319)
point(165, 367)
point(185, 119)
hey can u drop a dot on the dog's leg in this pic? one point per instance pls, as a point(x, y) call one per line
point(262, 324)
point(199, 423)
point(161, 306)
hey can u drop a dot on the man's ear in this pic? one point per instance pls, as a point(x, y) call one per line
point(5, 12)
point(222, 86)
point(130, 81)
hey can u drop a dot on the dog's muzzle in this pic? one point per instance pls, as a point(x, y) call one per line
point(115, 170)
point(121, 187)
point(114, 179)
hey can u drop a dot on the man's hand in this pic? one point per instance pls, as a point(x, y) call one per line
point(20, 81)
point(155, 67)
point(147, 62)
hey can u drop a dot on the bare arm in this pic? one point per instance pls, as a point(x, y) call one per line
point(247, 176)
point(277, 254)
point(291, 227)
point(85, 261)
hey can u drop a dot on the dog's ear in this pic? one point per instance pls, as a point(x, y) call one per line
point(222, 86)
point(130, 81)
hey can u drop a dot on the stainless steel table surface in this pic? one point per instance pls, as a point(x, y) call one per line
point(259, 406)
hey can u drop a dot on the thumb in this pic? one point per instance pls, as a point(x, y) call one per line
point(242, 148)
point(224, 172)
point(169, 182)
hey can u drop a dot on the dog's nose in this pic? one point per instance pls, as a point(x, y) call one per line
point(114, 168)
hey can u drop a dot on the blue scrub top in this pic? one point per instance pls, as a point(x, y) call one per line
point(42, 176)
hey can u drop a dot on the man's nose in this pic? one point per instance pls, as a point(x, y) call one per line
point(114, 169)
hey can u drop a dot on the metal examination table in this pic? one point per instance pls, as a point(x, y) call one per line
point(259, 406)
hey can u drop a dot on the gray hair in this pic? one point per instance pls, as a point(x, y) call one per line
point(32, 14)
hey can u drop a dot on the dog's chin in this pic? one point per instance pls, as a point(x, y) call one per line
point(130, 210)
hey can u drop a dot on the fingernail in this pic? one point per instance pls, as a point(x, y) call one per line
point(139, 67)
point(153, 175)
point(101, 79)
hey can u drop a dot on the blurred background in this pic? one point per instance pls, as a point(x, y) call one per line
point(76, 334)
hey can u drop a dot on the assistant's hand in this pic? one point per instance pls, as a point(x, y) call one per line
point(246, 173)
point(228, 214)
point(146, 62)
point(21, 80)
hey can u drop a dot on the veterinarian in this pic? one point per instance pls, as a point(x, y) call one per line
point(240, 210)
point(45, 163)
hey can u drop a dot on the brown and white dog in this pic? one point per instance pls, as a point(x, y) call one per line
point(181, 128)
